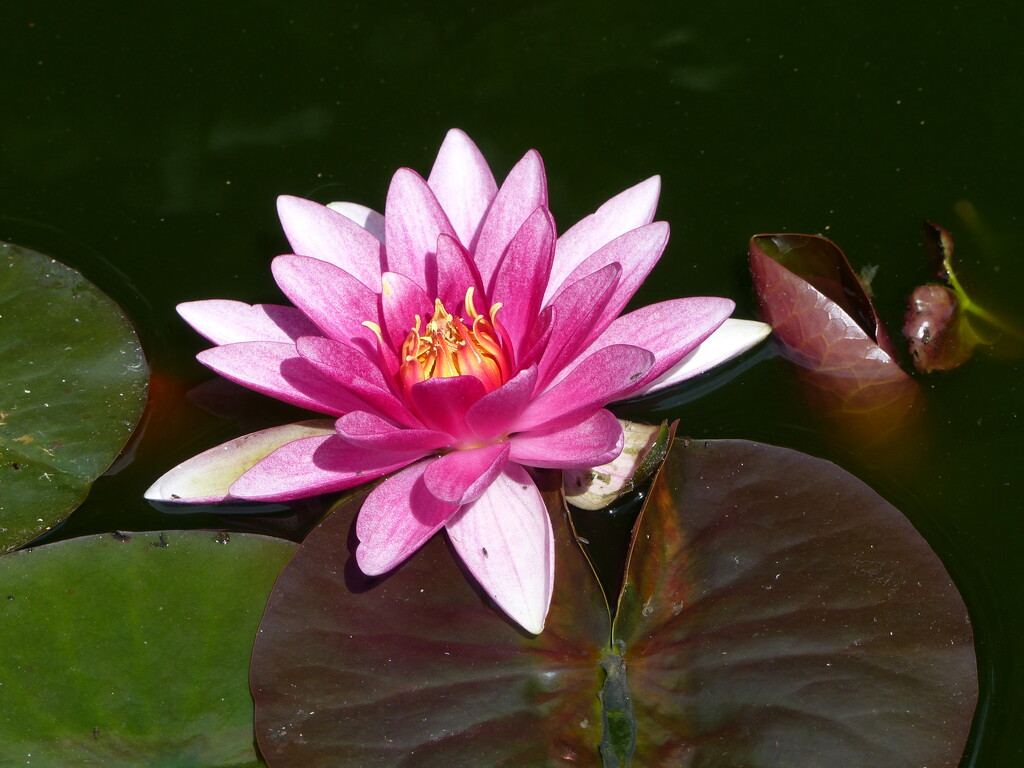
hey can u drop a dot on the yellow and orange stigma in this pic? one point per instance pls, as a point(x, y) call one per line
point(449, 346)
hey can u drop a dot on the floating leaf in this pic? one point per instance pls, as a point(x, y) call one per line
point(73, 389)
point(820, 313)
point(132, 649)
point(776, 612)
point(413, 669)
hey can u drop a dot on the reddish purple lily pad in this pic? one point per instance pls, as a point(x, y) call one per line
point(821, 314)
point(776, 612)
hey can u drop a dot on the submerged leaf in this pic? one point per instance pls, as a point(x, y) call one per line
point(943, 325)
point(820, 313)
point(73, 389)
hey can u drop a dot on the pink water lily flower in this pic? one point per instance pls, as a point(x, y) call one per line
point(458, 341)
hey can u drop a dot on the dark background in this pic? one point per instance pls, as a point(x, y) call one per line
point(145, 146)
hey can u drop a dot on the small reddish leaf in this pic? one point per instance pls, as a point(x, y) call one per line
point(820, 313)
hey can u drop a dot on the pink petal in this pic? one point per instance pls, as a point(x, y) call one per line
point(594, 441)
point(413, 219)
point(396, 519)
point(525, 190)
point(317, 231)
point(277, 370)
point(456, 273)
point(372, 432)
point(367, 218)
point(401, 301)
point(732, 338)
point(494, 413)
point(205, 479)
point(329, 296)
point(356, 374)
point(522, 274)
point(637, 251)
point(460, 477)
point(628, 210)
point(597, 380)
point(505, 540)
point(441, 404)
point(227, 322)
point(669, 330)
point(574, 315)
point(316, 465)
point(463, 184)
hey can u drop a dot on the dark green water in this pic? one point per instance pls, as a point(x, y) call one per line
point(146, 146)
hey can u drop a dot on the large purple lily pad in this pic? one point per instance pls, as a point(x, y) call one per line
point(775, 612)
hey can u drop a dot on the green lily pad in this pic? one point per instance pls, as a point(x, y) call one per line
point(775, 613)
point(73, 389)
point(132, 649)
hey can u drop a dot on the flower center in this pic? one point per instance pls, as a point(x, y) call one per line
point(450, 346)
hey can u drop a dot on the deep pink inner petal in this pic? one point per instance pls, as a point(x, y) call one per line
point(369, 431)
point(456, 273)
point(522, 276)
point(494, 413)
point(523, 191)
point(441, 404)
point(595, 440)
point(277, 370)
point(329, 296)
point(413, 219)
point(401, 301)
point(460, 477)
point(598, 379)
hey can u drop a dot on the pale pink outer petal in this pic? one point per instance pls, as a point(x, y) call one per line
point(670, 330)
point(277, 370)
point(317, 231)
point(441, 404)
point(594, 441)
point(597, 380)
point(523, 191)
point(374, 433)
point(396, 519)
point(505, 540)
point(460, 477)
point(733, 337)
point(495, 412)
point(367, 218)
point(329, 296)
point(315, 465)
point(463, 184)
point(226, 322)
point(637, 252)
point(205, 479)
point(522, 274)
point(413, 219)
point(631, 208)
